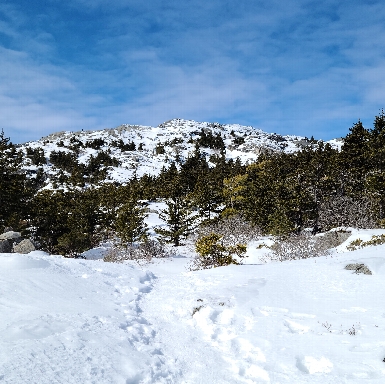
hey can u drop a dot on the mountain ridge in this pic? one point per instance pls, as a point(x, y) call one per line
point(139, 150)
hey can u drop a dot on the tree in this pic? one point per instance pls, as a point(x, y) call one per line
point(14, 192)
point(212, 253)
point(207, 196)
point(67, 223)
point(233, 191)
point(130, 225)
point(179, 220)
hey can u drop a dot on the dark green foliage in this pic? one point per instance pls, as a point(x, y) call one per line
point(209, 140)
point(103, 157)
point(14, 189)
point(66, 161)
point(238, 140)
point(207, 196)
point(75, 144)
point(67, 223)
point(159, 149)
point(36, 155)
point(179, 220)
point(95, 144)
point(129, 224)
point(124, 147)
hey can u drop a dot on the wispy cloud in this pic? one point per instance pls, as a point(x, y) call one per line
point(300, 67)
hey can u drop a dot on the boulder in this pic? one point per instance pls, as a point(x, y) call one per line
point(25, 246)
point(5, 246)
point(10, 235)
point(359, 268)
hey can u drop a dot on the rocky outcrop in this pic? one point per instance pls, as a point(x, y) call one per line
point(10, 235)
point(359, 268)
point(5, 246)
point(25, 246)
point(11, 241)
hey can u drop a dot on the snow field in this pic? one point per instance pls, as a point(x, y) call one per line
point(86, 321)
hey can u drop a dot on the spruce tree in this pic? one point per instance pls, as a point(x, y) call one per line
point(14, 194)
point(179, 220)
point(130, 225)
point(207, 196)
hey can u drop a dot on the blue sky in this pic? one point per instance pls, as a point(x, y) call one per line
point(296, 67)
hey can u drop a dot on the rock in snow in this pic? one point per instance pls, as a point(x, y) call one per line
point(5, 246)
point(25, 246)
point(11, 235)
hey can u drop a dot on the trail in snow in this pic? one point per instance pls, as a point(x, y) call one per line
point(68, 321)
point(86, 321)
point(296, 322)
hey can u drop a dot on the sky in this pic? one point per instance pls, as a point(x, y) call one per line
point(298, 67)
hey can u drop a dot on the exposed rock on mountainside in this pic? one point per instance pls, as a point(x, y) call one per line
point(118, 154)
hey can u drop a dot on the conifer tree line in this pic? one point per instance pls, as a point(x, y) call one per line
point(318, 187)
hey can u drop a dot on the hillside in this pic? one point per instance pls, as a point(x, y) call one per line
point(138, 150)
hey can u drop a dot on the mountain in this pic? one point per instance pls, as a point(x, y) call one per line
point(130, 150)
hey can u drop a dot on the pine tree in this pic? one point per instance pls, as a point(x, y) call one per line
point(233, 192)
point(207, 195)
point(179, 220)
point(130, 225)
point(376, 172)
point(14, 194)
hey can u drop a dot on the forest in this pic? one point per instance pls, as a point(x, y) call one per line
point(316, 188)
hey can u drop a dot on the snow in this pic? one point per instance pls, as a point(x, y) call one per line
point(87, 321)
point(146, 162)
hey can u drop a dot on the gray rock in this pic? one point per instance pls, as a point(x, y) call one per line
point(5, 246)
point(25, 246)
point(10, 235)
point(359, 268)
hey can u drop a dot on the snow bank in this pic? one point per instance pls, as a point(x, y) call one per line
point(86, 321)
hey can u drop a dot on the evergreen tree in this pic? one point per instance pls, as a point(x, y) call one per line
point(207, 195)
point(179, 220)
point(14, 193)
point(355, 158)
point(233, 191)
point(130, 225)
point(376, 173)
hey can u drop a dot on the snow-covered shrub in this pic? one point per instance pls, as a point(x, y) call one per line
point(333, 239)
point(212, 253)
point(358, 243)
point(295, 247)
point(141, 252)
point(233, 230)
point(345, 211)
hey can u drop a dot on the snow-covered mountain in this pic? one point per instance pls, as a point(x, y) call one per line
point(145, 150)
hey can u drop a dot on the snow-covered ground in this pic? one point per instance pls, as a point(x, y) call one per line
point(87, 321)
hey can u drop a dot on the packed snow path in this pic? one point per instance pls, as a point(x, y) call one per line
point(295, 322)
point(70, 321)
point(83, 321)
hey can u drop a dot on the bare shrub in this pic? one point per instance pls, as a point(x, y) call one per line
point(295, 247)
point(233, 230)
point(344, 211)
point(333, 239)
point(142, 252)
